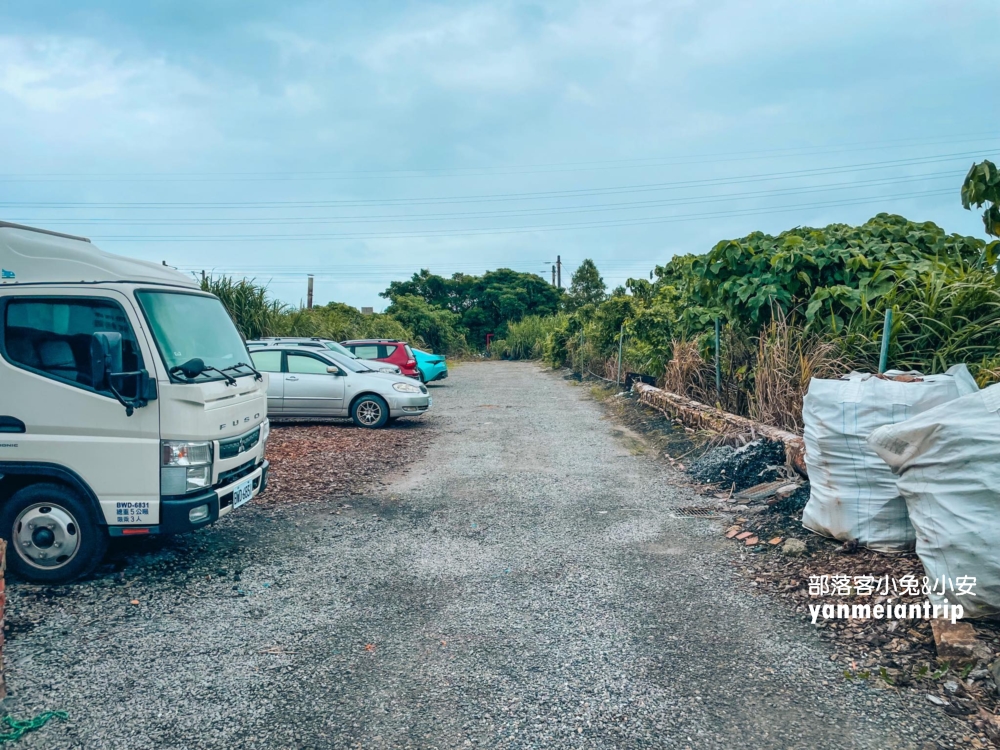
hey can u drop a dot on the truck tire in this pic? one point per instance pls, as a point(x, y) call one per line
point(52, 534)
point(370, 411)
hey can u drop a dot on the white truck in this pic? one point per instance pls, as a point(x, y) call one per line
point(128, 404)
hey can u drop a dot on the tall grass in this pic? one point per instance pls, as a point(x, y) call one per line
point(526, 338)
point(944, 316)
point(248, 304)
point(786, 361)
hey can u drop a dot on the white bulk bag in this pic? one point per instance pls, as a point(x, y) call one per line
point(948, 466)
point(853, 493)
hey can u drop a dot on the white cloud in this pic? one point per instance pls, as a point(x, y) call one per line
point(53, 74)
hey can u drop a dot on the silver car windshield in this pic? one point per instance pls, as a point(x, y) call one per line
point(353, 365)
point(188, 326)
point(333, 346)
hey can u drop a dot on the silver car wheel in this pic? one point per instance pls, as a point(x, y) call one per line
point(369, 412)
point(46, 535)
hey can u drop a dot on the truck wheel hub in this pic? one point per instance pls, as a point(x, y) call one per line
point(47, 536)
point(43, 538)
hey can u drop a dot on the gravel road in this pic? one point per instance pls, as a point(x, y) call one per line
point(525, 584)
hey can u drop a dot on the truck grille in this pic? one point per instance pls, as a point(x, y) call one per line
point(228, 477)
point(237, 445)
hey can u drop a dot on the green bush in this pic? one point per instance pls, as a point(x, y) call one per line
point(826, 289)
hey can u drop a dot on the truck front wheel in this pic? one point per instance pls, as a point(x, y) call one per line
point(52, 534)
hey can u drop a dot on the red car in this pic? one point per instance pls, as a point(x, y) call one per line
point(398, 353)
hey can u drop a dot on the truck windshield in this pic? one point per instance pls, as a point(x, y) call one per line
point(188, 326)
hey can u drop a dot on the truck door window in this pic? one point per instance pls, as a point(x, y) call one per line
point(304, 364)
point(267, 361)
point(52, 336)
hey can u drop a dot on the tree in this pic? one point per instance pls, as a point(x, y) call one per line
point(982, 185)
point(486, 304)
point(440, 329)
point(586, 287)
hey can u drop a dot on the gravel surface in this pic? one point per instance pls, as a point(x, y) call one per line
point(524, 585)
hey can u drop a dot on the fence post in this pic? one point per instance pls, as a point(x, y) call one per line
point(883, 358)
point(718, 367)
point(621, 338)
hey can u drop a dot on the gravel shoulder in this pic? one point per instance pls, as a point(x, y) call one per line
point(525, 584)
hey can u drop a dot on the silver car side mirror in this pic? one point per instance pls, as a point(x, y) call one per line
point(333, 370)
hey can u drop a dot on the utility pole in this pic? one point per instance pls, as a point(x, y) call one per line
point(203, 277)
point(309, 294)
point(553, 274)
point(559, 271)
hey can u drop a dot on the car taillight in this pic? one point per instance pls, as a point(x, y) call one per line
point(411, 362)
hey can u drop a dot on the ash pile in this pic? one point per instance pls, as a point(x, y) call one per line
point(758, 464)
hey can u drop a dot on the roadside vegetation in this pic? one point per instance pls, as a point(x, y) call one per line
point(445, 315)
point(806, 302)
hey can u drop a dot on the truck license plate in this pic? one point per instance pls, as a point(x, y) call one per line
point(242, 493)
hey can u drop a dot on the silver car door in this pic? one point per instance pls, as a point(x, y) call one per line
point(309, 389)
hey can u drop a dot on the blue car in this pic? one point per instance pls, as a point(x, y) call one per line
point(431, 367)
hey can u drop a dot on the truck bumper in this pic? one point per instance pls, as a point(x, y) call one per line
point(175, 512)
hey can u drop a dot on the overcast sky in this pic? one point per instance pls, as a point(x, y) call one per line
point(361, 141)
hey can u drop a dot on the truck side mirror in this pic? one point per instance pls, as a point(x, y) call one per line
point(106, 364)
point(105, 357)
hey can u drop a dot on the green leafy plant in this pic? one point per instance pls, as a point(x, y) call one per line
point(982, 187)
point(941, 671)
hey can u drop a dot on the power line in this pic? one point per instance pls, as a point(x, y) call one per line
point(580, 192)
point(363, 269)
point(510, 230)
point(542, 168)
point(583, 208)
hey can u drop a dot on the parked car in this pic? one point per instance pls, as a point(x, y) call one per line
point(315, 342)
point(430, 367)
point(313, 382)
point(394, 352)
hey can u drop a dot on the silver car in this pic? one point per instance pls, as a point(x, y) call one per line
point(312, 382)
point(313, 342)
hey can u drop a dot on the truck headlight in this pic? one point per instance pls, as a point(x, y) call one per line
point(265, 432)
point(185, 467)
point(405, 388)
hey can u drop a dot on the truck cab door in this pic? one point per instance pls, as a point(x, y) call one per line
point(269, 361)
point(309, 389)
point(69, 422)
